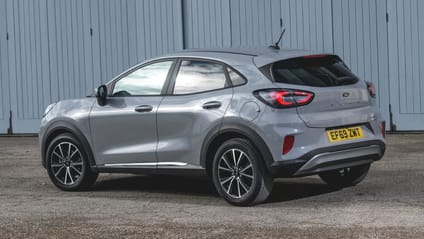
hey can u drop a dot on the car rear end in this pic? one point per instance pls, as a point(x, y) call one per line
point(320, 116)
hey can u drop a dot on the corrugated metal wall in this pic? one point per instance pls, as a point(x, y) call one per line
point(60, 49)
point(206, 23)
point(225, 23)
point(309, 24)
point(356, 30)
point(29, 86)
point(57, 49)
point(4, 98)
point(360, 38)
point(406, 60)
point(252, 22)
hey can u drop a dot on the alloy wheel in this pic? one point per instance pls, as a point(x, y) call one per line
point(67, 164)
point(235, 173)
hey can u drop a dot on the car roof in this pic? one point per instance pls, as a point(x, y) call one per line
point(236, 56)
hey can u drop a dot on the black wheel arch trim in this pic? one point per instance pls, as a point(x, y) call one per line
point(241, 129)
point(64, 126)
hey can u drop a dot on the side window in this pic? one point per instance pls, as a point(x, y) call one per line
point(236, 78)
point(148, 80)
point(198, 76)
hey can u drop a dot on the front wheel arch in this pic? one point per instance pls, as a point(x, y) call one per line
point(68, 164)
point(58, 128)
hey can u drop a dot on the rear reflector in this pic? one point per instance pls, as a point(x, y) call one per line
point(288, 144)
point(284, 98)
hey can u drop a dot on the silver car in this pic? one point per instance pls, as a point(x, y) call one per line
point(240, 116)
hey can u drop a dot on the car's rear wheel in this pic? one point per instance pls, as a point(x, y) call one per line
point(239, 174)
point(68, 164)
point(345, 177)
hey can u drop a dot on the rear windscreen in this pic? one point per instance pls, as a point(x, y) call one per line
point(327, 70)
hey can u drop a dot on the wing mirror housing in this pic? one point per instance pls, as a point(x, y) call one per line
point(101, 95)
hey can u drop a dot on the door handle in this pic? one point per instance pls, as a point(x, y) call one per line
point(143, 108)
point(211, 105)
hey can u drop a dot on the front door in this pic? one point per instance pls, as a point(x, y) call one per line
point(124, 131)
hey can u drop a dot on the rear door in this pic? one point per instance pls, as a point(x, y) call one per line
point(340, 98)
point(199, 97)
point(124, 130)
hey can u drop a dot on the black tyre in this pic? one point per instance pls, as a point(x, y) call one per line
point(239, 174)
point(68, 164)
point(345, 177)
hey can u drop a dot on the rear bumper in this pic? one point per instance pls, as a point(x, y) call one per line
point(330, 158)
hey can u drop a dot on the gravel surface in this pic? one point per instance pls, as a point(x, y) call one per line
point(388, 204)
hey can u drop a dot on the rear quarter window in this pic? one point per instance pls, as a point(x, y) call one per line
point(319, 71)
point(236, 78)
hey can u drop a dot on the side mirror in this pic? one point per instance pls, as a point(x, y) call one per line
point(101, 95)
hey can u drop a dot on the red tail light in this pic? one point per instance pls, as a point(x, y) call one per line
point(371, 89)
point(383, 129)
point(288, 144)
point(284, 98)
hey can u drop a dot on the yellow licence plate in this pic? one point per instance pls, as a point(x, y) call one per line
point(342, 134)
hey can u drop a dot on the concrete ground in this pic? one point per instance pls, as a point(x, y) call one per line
point(388, 204)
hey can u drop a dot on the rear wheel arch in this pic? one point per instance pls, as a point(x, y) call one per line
point(230, 131)
point(238, 173)
point(59, 128)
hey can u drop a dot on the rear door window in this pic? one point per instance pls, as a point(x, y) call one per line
point(196, 76)
point(320, 71)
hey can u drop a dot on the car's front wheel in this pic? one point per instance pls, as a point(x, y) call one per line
point(239, 174)
point(345, 177)
point(68, 164)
